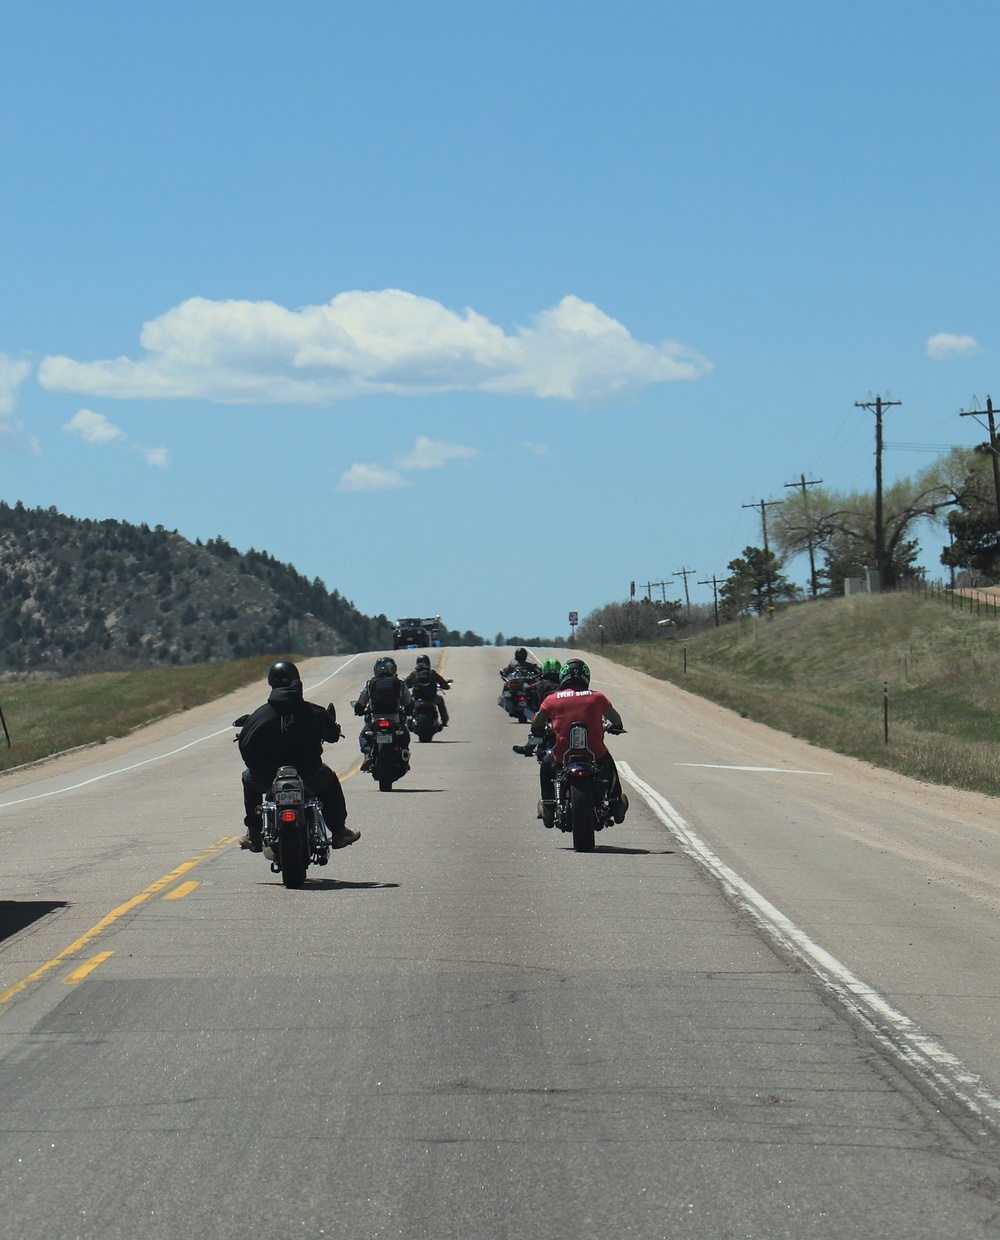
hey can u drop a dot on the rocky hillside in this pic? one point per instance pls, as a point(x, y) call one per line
point(103, 594)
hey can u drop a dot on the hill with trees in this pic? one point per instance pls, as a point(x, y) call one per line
point(81, 594)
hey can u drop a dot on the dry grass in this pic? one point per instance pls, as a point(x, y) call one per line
point(47, 717)
point(817, 671)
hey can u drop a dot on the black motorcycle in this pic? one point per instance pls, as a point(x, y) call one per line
point(581, 785)
point(293, 830)
point(388, 741)
point(424, 719)
point(519, 696)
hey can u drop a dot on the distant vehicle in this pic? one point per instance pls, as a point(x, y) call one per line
point(413, 632)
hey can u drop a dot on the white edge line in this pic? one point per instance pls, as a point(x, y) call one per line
point(892, 1028)
point(122, 770)
point(771, 770)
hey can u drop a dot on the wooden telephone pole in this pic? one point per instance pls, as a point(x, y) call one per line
point(813, 482)
point(878, 406)
point(994, 450)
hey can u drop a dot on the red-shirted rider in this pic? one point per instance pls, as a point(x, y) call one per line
point(574, 702)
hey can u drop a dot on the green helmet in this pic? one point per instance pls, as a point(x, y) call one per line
point(574, 675)
point(551, 669)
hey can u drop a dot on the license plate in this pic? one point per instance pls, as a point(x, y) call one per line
point(384, 739)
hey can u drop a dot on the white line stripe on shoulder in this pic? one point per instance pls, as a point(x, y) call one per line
point(775, 770)
point(894, 1030)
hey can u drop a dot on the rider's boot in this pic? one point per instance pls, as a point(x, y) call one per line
point(621, 809)
point(547, 813)
point(252, 840)
point(343, 835)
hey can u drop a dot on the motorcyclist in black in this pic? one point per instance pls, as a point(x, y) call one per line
point(424, 683)
point(520, 660)
point(384, 694)
point(289, 731)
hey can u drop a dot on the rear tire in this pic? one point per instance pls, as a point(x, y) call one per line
point(383, 768)
point(293, 855)
point(581, 802)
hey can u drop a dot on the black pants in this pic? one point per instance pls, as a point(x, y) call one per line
point(323, 783)
point(607, 773)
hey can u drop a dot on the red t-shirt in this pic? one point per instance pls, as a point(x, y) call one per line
point(569, 706)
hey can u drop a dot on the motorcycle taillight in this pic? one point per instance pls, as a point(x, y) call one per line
point(288, 815)
point(384, 724)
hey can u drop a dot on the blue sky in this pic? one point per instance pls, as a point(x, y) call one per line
point(488, 310)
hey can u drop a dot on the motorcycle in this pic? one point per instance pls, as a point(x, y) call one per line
point(293, 829)
point(388, 748)
point(519, 696)
point(581, 786)
point(424, 719)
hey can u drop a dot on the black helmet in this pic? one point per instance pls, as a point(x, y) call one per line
point(423, 660)
point(282, 675)
point(385, 666)
point(574, 675)
point(520, 655)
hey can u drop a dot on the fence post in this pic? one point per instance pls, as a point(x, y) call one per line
point(885, 711)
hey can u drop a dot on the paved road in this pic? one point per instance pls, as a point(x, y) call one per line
point(462, 1028)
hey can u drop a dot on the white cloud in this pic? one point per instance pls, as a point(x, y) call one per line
point(373, 477)
point(432, 454)
point(97, 429)
point(93, 427)
point(389, 341)
point(425, 454)
point(12, 374)
point(158, 457)
point(944, 347)
point(537, 449)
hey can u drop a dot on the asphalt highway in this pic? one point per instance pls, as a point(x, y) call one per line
point(765, 1006)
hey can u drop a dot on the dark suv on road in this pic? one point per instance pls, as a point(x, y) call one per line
point(410, 632)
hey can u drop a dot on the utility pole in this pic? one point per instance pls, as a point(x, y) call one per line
point(813, 482)
point(685, 573)
point(994, 451)
point(714, 583)
point(661, 587)
point(763, 505)
point(878, 405)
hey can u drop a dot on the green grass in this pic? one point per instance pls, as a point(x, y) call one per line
point(47, 717)
point(817, 670)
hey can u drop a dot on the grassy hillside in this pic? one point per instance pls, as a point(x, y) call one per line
point(817, 671)
point(48, 717)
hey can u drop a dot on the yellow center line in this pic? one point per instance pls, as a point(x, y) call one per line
point(110, 918)
point(182, 890)
point(88, 966)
